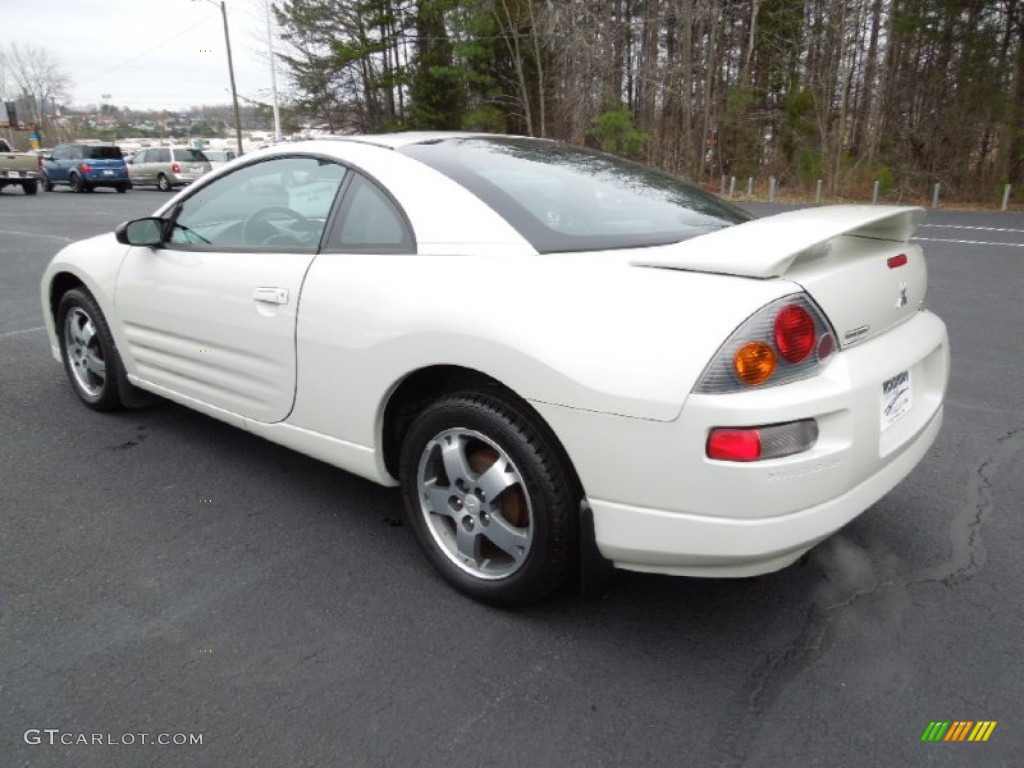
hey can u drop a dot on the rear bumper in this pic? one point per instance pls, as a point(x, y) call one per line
point(641, 539)
point(8, 177)
point(102, 180)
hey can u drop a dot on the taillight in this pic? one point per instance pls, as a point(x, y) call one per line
point(794, 333)
point(784, 341)
point(773, 441)
point(39, 161)
point(85, 168)
point(175, 168)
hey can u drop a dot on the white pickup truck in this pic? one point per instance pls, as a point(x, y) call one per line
point(21, 168)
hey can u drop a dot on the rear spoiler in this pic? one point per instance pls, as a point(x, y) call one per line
point(768, 247)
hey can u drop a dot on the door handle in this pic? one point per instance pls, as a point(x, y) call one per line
point(271, 295)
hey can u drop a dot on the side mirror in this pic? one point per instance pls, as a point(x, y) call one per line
point(144, 232)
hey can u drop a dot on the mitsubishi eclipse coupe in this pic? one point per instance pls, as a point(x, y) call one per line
point(560, 356)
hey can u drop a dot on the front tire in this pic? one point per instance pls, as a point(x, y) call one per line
point(162, 183)
point(87, 349)
point(490, 498)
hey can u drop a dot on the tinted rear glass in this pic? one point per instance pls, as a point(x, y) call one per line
point(103, 153)
point(565, 198)
point(189, 156)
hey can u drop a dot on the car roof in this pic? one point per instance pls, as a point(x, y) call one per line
point(404, 138)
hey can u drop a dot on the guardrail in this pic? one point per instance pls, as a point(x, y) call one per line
point(728, 191)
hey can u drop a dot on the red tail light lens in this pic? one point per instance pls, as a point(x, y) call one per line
point(175, 168)
point(734, 445)
point(794, 333)
point(85, 168)
point(39, 161)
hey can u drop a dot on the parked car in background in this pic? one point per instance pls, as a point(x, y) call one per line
point(84, 167)
point(19, 169)
point(168, 167)
point(218, 157)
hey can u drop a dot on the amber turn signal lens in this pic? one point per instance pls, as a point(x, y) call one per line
point(754, 362)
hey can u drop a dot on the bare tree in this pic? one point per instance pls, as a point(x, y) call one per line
point(37, 77)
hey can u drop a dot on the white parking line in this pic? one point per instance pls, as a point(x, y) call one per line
point(18, 333)
point(966, 242)
point(965, 226)
point(34, 234)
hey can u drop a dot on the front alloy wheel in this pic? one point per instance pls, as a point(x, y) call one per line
point(87, 349)
point(490, 498)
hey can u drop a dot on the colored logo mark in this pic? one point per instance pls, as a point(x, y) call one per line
point(959, 730)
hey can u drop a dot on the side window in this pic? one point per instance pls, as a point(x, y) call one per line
point(140, 157)
point(162, 156)
point(275, 204)
point(370, 222)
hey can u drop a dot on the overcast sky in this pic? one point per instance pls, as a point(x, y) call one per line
point(147, 53)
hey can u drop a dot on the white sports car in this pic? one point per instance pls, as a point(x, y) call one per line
point(560, 356)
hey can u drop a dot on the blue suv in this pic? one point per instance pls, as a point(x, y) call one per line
point(84, 167)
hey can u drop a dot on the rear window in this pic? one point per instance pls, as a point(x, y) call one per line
point(189, 156)
point(566, 198)
point(103, 153)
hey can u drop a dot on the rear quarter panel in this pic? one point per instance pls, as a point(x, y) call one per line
point(591, 333)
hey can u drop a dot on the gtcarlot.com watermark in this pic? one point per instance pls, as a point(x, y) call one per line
point(54, 736)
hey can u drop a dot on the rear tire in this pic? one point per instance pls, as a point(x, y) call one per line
point(490, 498)
point(76, 183)
point(30, 187)
point(122, 188)
point(87, 349)
point(47, 184)
point(162, 183)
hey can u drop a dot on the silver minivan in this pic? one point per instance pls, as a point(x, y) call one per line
point(167, 167)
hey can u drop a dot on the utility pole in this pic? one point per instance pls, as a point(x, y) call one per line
point(273, 76)
point(231, 72)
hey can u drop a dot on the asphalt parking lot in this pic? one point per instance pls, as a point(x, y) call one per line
point(162, 573)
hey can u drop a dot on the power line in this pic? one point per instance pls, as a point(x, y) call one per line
point(144, 53)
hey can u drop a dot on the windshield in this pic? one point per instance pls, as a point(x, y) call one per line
point(566, 198)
